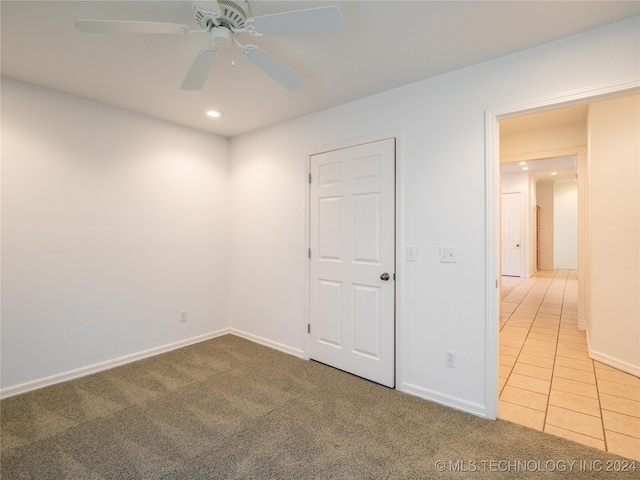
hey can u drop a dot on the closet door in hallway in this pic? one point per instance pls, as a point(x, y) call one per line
point(511, 233)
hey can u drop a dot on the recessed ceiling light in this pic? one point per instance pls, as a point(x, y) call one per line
point(523, 163)
point(525, 168)
point(214, 113)
point(553, 174)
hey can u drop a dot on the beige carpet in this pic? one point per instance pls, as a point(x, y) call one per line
point(228, 408)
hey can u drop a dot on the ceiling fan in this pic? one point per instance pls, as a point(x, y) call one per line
point(224, 24)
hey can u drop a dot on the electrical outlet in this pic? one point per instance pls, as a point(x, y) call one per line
point(450, 358)
point(448, 255)
point(183, 316)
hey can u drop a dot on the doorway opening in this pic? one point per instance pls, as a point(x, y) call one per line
point(492, 207)
point(547, 278)
point(541, 232)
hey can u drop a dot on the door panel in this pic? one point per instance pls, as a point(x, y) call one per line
point(366, 321)
point(330, 245)
point(366, 228)
point(352, 222)
point(330, 314)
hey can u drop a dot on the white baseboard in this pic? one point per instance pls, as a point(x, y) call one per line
point(582, 324)
point(446, 400)
point(611, 361)
point(296, 352)
point(106, 365)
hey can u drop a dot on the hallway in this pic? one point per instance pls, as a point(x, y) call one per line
point(548, 382)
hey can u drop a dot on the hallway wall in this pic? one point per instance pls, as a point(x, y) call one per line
point(613, 325)
point(565, 217)
point(545, 202)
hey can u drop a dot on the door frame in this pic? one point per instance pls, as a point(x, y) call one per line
point(492, 211)
point(398, 135)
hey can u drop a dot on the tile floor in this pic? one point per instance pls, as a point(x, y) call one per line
point(547, 380)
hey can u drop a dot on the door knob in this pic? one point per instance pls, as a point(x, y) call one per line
point(384, 276)
point(517, 245)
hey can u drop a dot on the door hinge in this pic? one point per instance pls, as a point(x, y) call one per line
point(309, 253)
point(309, 179)
point(308, 328)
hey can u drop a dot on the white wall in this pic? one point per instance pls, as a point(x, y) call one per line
point(545, 202)
point(443, 197)
point(613, 326)
point(111, 224)
point(566, 225)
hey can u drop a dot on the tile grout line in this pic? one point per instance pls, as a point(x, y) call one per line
point(541, 277)
point(528, 330)
point(595, 376)
point(504, 325)
point(560, 287)
point(567, 278)
point(604, 433)
point(553, 368)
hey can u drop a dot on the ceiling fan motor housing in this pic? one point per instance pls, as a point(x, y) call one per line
point(232, 15)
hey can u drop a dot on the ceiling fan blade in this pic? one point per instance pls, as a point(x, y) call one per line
point(274, 68)
point(311, 21)
point(200, 70)
point(125, 26)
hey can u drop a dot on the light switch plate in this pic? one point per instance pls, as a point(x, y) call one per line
point(411, 253)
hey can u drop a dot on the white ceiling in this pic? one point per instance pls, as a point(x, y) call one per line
point(385, 45)
point(556, 169)
point(564, 167)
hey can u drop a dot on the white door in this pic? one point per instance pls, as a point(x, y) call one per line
point(511, 256)
point(352, 235)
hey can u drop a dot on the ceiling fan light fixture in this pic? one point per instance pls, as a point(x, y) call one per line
point(221, 36)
